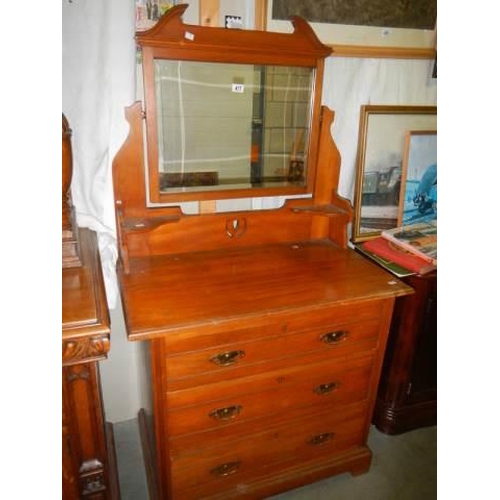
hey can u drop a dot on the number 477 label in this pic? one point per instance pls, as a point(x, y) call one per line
point(239, 88)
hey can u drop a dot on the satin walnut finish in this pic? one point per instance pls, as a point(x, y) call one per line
point(265, 332)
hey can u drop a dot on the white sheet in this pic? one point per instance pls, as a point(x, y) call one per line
point(98, 63)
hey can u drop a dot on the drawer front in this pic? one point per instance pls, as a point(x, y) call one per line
point(242, 358)
point(221, 334)
point(231, 404)
point(319, 435)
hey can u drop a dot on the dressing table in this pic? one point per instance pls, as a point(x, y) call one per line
point(265, 333)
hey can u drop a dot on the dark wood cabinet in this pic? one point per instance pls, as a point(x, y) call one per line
point(407, 394)
point(88, 461)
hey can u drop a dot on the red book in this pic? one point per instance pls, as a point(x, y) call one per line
point(419, 238)
point(390, 251)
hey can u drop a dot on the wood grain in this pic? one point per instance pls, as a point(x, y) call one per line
point(266, 332)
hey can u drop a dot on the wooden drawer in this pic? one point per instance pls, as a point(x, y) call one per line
point(238, 403)
point(225, 333)
point(323, 434)
point(243, 357)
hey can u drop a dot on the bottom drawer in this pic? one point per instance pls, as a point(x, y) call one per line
point(317, 435)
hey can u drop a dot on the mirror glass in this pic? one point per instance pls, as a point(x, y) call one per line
point(232, 126)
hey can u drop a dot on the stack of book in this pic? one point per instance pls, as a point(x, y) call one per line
point(405, 250)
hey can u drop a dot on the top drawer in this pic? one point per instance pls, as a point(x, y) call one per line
point(266, 326)
point(244, 357)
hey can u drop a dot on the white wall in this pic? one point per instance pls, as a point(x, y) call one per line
point(123, 376)
point(351, 82)
point(98, 77)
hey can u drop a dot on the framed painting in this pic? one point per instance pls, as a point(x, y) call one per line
point(418, 200)
point(362, 28)
point(147, 12)
point(381, 149)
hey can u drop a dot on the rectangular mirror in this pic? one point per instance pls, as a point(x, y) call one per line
point(230, 113)
point(235, 126)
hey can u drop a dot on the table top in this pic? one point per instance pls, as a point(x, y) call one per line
point(237, 286)
point(85, 315)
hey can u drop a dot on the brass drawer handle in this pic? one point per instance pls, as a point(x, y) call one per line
point(334, 337)
point(326, 388)
point(226, 413)
point(321, 439)
point(227, 358)
point(225, 469)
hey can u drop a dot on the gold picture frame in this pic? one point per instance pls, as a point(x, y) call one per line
point(381, 147)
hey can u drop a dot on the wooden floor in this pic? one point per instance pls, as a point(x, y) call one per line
point(404, 467)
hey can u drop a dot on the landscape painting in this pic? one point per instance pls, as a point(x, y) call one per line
point(410, 14)
point(380, 178)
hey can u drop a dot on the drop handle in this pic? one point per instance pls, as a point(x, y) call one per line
point(227, 358)
point(334, 337)
point(321, 439)
point(226, 413)
point(326, 388)
point(225, 469)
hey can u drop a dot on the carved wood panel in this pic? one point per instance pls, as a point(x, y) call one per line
point(84, 349)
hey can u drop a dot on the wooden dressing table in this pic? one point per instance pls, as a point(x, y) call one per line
point(266, 333)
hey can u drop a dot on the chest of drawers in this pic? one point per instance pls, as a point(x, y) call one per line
point(254, 396)
point(265, 332)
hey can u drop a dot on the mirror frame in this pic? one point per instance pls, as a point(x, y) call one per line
point(171, 39)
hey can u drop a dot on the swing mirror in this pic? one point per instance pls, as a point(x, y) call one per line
point(230, 113)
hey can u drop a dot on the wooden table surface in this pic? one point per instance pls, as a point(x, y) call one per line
point(215, 288)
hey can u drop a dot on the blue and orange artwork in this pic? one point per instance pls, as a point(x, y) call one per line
point(420, 192)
